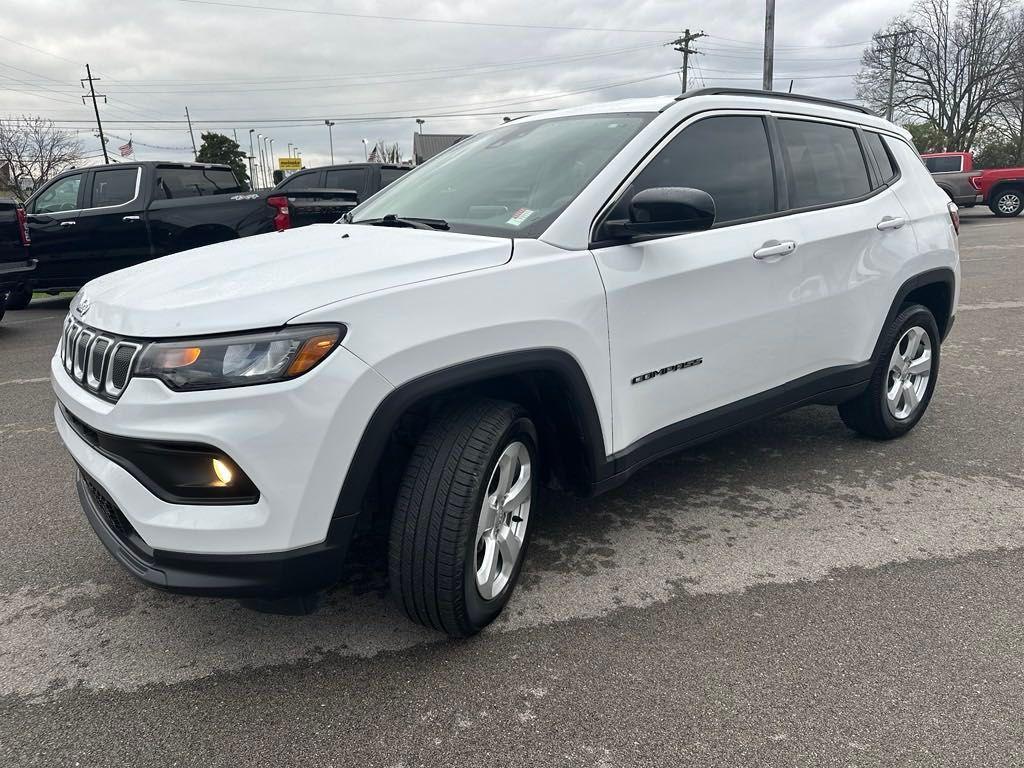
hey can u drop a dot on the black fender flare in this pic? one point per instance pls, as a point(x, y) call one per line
point(385, 418)
point(939, 276)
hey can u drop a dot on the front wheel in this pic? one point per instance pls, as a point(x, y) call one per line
point(19, 298)
point(903, 379)
point(462, 516)
point(1007, 203)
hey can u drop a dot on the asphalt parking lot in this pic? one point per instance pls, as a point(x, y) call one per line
point(788, 595)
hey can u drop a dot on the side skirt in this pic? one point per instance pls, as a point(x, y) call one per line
point(828, 387)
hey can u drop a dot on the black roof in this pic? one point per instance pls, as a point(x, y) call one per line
point(773, 95)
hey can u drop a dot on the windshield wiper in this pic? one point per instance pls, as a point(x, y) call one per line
point(412, 222)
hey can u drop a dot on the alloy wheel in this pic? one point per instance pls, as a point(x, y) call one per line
point(504, 515)
point(1008, 203)
point(910, 370)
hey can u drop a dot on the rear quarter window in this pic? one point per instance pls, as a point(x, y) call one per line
point(825, 163)
point(883, 157)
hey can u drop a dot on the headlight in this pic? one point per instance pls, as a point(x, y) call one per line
point(240, 360)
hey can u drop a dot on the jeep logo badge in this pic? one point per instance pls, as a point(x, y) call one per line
point(83, 306)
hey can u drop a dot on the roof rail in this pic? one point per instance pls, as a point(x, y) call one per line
point(773, 95)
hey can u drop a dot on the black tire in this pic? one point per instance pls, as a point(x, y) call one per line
point(3, 305)
point(432, 557)
point(19, 298)
point(868, 413)
point(1007, 202)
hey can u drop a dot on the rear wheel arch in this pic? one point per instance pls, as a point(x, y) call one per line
point(548, 382)
point(933, 289)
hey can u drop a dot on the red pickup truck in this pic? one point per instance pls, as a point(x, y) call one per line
point(1002, 189)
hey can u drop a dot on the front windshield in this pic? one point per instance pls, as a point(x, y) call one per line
point(509, 182)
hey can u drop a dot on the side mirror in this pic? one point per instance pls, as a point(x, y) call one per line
point(665, 211)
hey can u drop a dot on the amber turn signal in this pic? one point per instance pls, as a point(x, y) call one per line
point(180, 357)
point(313, 350)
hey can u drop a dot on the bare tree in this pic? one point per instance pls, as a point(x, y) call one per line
point(36, 150)
point(955, 65)
point(383, 152)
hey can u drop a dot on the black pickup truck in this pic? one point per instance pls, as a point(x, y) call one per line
point(322, 195)
point(91, 221)
point(15, 262)
point(88, 222)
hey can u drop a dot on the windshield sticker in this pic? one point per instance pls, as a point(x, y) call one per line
point(519, 217)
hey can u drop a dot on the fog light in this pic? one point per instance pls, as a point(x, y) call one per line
point(223, 472)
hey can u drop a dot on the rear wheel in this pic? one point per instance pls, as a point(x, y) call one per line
point(462, 516)
point(19, 298)
point(1007, 203)
point(903, 380)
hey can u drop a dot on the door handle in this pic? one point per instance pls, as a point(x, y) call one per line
point(890, 222)
point(131, 218)
point(775, 248)
point(67, 224)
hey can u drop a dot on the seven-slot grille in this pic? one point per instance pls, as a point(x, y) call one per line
point(100, 362)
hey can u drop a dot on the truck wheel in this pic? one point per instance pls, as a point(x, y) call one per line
point(461, 521)
point(1007, 203)
point(3, 305)
point(903, 380)
point(19, 298)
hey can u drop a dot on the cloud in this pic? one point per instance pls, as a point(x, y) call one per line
point(285, 72)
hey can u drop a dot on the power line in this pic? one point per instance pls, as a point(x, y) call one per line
point(420, 20)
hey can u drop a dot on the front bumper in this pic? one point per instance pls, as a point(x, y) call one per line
point(245, 576)
point(294, 440)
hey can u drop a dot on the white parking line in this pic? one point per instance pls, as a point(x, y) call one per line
point(24, 381)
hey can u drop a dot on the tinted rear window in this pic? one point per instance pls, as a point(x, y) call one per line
point(388, 175)
point(300, 181)
point(176, 183)
point(877, 148)
point(113, 187)
point(346, 178)
point(825, 161)
point(948, 164)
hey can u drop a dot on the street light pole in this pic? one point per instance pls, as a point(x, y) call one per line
point(252, 161)
point(259, 143)
point(330, 136)
point(420, 121)
point(266, 160)
point(366, 151)
point(272, 163)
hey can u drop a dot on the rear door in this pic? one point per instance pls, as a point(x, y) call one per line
point(854, 235)
point(111, 224)
point(697, 321)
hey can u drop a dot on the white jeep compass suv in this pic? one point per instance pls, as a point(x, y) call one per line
point(560, 300)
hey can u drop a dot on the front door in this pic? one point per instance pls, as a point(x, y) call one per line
point(700, 321)
point(52, 221)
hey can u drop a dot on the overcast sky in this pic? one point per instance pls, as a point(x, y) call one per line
point(237, 64)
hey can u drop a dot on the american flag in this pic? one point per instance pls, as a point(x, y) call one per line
point(126, 149)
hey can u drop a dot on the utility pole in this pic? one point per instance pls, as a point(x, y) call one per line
point(330, 135)
point(769, 45)
point(95, 107)
point(890, 102)
point(191, 135)
point(262, 167)
point(682, 44)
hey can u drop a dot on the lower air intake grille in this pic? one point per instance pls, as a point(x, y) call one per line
point(115, 519)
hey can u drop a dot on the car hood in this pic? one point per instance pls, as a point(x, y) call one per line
point(264, 281)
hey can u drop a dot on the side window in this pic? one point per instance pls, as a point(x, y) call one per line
point(113, 187)
point(825, 162)
point(60, 196)
point(728, 157)
point(346, 178)
point(883, 159)
point(176, 183)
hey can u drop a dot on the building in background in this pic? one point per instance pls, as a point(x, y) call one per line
point(426, 145)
